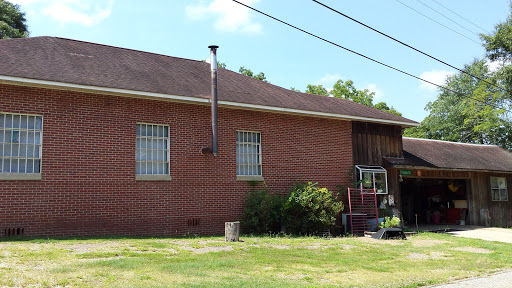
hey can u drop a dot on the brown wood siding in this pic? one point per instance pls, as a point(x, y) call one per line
point(373, 141)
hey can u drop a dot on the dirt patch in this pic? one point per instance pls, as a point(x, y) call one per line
point(208, 249)
point(427, 243)
point(282, 247)
point(473, 250)
point(421, 256)
point(432, 255)
point(379, 241)
point(95, 247)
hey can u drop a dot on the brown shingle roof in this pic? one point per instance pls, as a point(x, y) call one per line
point(90, 64)
point(451, 155)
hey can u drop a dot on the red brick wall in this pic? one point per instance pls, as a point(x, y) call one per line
point(88, 182)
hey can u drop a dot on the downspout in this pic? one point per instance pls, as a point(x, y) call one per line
point(215, 131)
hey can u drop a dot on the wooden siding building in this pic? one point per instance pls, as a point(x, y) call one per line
point(436, 182)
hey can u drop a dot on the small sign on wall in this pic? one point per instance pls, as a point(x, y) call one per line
point(405, 172)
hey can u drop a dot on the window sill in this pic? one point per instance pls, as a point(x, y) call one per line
point(153, 177)
point(249, 178)
point(20, 176)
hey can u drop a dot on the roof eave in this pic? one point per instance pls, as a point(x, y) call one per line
point(12, 80)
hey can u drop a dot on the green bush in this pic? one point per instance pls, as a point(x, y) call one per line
point(310, 209)
point(390, 222)
point(262, 212)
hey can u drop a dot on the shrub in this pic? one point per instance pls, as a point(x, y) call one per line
point(310, 209)
point(390, 222)
point(262, 212)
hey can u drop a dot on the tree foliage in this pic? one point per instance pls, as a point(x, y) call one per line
point(12, 21)
point(479, 111)
point(347, 90)
point(248, 72)
point(473, 113)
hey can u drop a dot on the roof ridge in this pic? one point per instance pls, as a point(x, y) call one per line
point(122, 48)
point(451, 142)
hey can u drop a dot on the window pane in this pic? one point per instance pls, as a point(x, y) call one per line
point(24, 122)
point(494, 182)
point(17, 121)
point(30, 166)
point(2, 131)
point(137, 130)
point(7, 166)
point(380, 182)
point(2, 120)
point(14, 166)
point(23, 151)
point(22, 166)
point(143, 130)
point(37, 139)
point(31, 122)
point(37, 164)
point(8, 121)
point(15, 150)
point(503, 194)
point(137, 168)
point(37, 151)
point(39, 122)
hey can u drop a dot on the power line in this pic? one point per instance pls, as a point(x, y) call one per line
point(411, 47)
point(436, 21)
point(460, 16)
point(447, 18)
point(357, 53)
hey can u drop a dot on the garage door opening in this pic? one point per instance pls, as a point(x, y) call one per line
point(434, 201)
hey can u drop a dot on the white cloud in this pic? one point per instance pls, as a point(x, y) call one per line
point(230, 16)
point(379, 94)
point(435, 76)
point(328, 80)
point(83, 12)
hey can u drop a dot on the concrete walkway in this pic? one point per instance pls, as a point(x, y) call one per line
point(485, 233)
point(471, 231)
point(499, 280)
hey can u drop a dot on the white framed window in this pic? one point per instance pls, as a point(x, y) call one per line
point(373, 177)
point(152, 149)
point(499, 189)
point(21, 138)
point(248, 153)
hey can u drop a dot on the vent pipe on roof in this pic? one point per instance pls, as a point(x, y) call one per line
point(215, 136)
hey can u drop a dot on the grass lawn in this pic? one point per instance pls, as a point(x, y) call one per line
point(257, 262)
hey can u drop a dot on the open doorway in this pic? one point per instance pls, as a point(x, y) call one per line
point(434, 201)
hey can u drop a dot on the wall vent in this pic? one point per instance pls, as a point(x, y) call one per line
point(11, 232)
point(193, 222)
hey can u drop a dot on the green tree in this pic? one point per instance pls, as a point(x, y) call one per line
point(347, 90)
point(248, 72)
point(473, 113)
point(12, 21)
point(317, 89)
point(498, 45)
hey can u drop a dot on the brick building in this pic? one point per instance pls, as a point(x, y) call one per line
point(98, 140)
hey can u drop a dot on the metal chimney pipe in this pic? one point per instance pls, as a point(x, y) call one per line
point(213, 101)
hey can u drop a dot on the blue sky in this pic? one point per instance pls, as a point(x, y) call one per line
point(288, 57)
